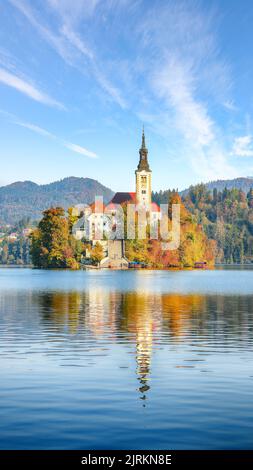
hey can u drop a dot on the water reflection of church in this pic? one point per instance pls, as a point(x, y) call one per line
point(139, 319)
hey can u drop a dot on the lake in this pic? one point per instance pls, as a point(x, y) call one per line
point(126, 359)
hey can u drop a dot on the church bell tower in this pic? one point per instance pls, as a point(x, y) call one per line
point(143, 177)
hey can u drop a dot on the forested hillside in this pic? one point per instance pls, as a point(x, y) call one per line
point(244, 184)
point(27, 199)
point(226, 216)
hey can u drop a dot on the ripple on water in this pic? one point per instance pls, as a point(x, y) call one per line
point(126, 359)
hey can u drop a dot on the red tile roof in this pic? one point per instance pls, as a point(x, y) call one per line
point(120, 198)
point(155, 207)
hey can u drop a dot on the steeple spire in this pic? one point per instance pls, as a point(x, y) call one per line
point(143, 145)
point(143, 162)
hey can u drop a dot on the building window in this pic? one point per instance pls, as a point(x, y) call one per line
point(143, 191)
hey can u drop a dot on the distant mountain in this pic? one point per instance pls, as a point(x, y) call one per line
point(245, 184)
point(28, 199)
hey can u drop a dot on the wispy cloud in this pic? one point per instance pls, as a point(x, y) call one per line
point(34, 128)
point(78, 149)
point(67, 42)
point(6, 60)
point(112, 91)
point(28, 89)
point(76, 41)
point(243, 146)
point(56, 41)
point(230, 105)
point(71, 11)
point(175, 84)
point(45, 133)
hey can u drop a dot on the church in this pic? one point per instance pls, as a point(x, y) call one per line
point(142, 197)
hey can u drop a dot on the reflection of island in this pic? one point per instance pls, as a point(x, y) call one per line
point(63, 309)
point(146, 320)
point(180, 312)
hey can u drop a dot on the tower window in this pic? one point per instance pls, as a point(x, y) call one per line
point(143, 191)
point(143, 179)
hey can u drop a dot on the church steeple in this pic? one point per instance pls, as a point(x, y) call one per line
point(143, 162)
point(143, 176)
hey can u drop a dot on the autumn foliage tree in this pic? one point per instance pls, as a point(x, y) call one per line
point(51, 245)
point(97, 253)
point(194, 245)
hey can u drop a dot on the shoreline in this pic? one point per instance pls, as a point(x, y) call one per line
point(91, 267)
point(11, 266)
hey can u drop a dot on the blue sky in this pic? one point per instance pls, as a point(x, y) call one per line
point(78, 78)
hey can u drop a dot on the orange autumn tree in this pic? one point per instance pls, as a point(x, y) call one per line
point(194, 244)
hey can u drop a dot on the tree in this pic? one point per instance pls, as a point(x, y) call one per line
point(250, 198)
point(50, 241)
point(4, 254)
point(97, 253)
point(72, 217)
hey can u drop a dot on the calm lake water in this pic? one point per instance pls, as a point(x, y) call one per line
point(131, 359)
